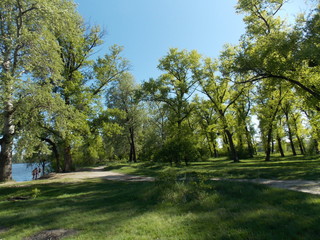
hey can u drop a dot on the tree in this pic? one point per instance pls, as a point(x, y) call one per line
point(287, 109)
point(206, 118)
point(72, 87)
point(122, 96)
point(82, 95)
point(272, 50)
point(269, 99)
point(243, 107)
point(174, 89)
point(28, 31)
point(222, 95)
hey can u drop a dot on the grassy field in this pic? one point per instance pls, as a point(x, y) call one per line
point(166, 209)
point(297, 167)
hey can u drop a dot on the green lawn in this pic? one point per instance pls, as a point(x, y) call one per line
point(120, 210)
point(166, 209)
point(298, 167)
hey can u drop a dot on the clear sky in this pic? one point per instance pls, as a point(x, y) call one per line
point(148, 28)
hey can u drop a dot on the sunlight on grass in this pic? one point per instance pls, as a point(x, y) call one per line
point(298, 167)
point(180, 204)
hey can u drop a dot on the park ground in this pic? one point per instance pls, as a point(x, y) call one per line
point(155, 201)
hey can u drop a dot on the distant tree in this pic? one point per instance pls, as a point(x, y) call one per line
point(222, 94)
point(269, 99)
point(174, 89)
point(206, 117)
point(122, 96)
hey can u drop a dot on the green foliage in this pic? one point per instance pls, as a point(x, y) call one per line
point(312, 148)
point(260, 15)
point(35, 193)
point(178, 149)
point(76, 111)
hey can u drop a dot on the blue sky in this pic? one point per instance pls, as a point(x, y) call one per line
point(148, 28)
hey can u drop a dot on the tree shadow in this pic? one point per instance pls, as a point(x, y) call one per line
point(59, 204)
point(251, 211)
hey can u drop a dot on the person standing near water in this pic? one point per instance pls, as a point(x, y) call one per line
point(35, 174)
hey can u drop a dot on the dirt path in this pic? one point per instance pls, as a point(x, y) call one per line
point(99, 172)
point(312, 187)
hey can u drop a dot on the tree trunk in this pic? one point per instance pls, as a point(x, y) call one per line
point(290, 136)
point(133, 155)
point(68, 165)
point(6, 158)
point(268, 144)
point(291, 142)
point(249, 142)
point(7, 143)
point(301, 145)
point(233, 151)
point(280, 146)
point(215, 151)
point(209, 145)
point(55, 152)
point(226, 142)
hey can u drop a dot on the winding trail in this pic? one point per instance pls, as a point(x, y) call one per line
point(312, 187)
point(306, 186)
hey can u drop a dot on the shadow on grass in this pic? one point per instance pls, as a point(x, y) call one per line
point(72, 205)
point(291, 167)
point(102, 209)
point(250, 211)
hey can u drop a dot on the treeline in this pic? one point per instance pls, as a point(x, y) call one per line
point(57, 105)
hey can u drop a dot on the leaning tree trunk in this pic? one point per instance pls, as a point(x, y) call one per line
point(7, 143)
point(280, 146)
point(233, 151)
point(291, 142)
point(290, 136)
point(301, 145)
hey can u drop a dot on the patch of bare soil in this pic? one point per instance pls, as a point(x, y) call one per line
point(3, 229)
point(19, 198)
point(52, 234)
point(312, 187)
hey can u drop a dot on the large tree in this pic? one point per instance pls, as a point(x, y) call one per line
point(29, 55)
point(273, 50)
point(222, 95)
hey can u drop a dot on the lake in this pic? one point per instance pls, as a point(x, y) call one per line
point(22, 172)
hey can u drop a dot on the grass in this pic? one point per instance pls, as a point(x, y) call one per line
point(100, 209)
point(166, 209)
point(287, 168)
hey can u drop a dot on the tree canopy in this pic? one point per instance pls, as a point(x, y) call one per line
point(61, 102)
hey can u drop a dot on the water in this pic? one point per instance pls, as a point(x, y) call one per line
point(22, 172)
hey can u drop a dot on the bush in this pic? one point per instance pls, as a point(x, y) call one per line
point(177, 150)
point(173, 190)
point(312, 148)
